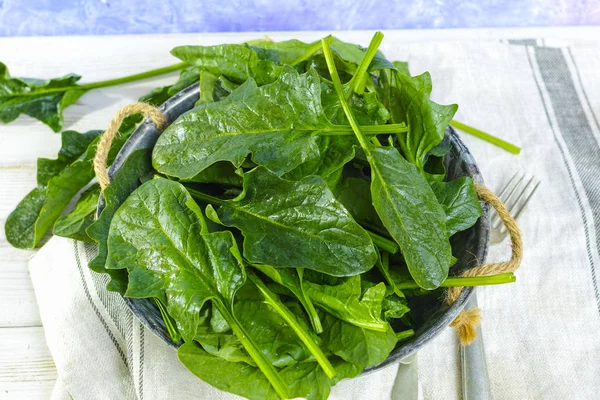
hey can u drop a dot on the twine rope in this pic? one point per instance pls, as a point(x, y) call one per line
point(466, 322)
point(101, 157)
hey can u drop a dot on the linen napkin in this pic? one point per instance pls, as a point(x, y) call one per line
point(542, 333)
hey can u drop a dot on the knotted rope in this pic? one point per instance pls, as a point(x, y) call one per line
point(467, 321)
point(101, 157)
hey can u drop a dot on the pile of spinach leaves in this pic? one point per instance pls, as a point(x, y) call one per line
point(290, 215)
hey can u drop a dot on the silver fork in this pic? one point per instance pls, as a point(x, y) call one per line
point(475, 381)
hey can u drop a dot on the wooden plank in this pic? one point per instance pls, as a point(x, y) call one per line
point(15, 183)
point(26, 367)
point(19, 305)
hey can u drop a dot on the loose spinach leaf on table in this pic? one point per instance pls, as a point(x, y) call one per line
point(44, 100)
point(275, 214)
point(460, 203)
point(58, 181)
point(74, 224)
point(159, 234)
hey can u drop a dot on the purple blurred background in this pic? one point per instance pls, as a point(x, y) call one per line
point(107, 17)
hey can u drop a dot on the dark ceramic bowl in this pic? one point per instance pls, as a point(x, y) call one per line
point(431, 315)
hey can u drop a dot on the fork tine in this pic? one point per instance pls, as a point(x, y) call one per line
point(495, 222)
point(515, 202)
point(524, 203)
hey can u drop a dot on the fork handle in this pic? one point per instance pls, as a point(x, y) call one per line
point(475, 380)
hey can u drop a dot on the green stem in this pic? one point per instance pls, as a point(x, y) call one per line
point(311, 51)
point(308, 305)
point(487, 137)
point(343, 130)
point(357, 84)
point(113, 82)
point(362, 139)
point(384, 267)
point(459, 281)
point(259, 358)
point(384, 243)
point(287, 315)
point(171, 328)
point(404, 334)
point(207, 198)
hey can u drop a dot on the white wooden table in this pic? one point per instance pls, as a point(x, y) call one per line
point(26, 367)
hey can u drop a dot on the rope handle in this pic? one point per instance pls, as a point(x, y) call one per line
point(466, 322)
point(101, 157)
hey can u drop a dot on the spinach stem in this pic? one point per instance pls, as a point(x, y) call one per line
point(287, 315)
point(487, 137)
point(113, 82)
point(460, 281)
point(261, 361)
point(207, 198)
point(358, 80)
point(311, 51)
point(335, 78)
point(343, 130)
point(171, 328)
point(384, 267)
point(404, 334)
point(384, 243)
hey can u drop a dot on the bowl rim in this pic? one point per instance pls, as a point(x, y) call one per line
point(146, 135)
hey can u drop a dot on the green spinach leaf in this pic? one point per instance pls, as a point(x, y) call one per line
point(58, 181)
point(344, 301)
point(460, 203)
point(273, 123)
point(275, 214)
point(358, 346)
point(236, 62)
point(74, 224)
point(44, 100)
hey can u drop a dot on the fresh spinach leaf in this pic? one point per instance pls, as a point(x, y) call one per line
point(273, 123)
point(44, 100)
point(58, 181)
point(407, 98)
point(74, 224)
point(236, 62)
point(233, 377)
point(358, 346)
point(344, 301)
point(275, 214)
point(460, 203)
